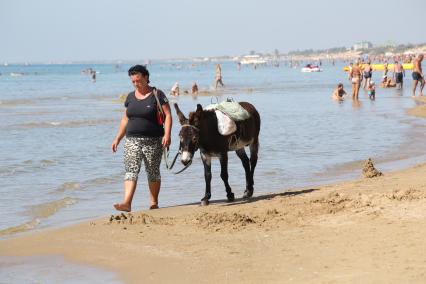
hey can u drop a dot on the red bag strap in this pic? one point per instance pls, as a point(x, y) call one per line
point(160, 109)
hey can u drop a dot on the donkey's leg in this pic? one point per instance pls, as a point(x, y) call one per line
point(224, 175)
point(241, 153)
point(207, 162)
point(254, 149)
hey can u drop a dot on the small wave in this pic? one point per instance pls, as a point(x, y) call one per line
point(48, 209)
point(99, 181)
point(70, 124)
point(38, 212)
point(20, 228)
point(25, 167)
point(67, 186)
point(45, 163)
point(11, 103)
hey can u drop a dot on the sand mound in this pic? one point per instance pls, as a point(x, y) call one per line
point(223, 220)
point(140, 218)
point(406, 195)
point(234, 221)
point(369, 171)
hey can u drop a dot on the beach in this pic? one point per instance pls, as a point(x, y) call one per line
point(361, 231)
point(312, 218)
point(368, 230)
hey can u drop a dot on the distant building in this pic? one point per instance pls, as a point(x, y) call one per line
point(362, 45)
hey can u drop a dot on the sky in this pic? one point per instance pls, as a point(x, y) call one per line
point(84, 30)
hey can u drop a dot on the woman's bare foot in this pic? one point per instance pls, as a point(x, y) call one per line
point(122, 207)
point(154, 206)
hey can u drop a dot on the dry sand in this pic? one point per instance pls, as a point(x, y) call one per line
point(371, 230)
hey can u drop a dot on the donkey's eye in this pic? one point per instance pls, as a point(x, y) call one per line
point(194, 139)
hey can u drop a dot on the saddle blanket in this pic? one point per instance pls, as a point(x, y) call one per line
point(233, 109)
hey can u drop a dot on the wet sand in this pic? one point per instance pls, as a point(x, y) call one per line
point(420, 109)
point(370, 230)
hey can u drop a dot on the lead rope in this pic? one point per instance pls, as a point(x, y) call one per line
point(166, 156)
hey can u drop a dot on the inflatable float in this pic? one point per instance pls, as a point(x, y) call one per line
point(378, 67)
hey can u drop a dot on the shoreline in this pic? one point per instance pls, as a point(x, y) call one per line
point(362, 230)
point(365, 230)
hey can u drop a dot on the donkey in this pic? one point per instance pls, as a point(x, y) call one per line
point(200, 131)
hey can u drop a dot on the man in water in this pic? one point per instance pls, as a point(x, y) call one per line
point(398, 74)
point(418, 75)
point(194, 88)
point(92, 74)
point(367, 72)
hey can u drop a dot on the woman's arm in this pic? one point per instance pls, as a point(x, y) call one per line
point(121, 131)
point(167, 125)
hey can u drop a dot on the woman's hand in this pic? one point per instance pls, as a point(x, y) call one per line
point(114, 145)
point(166, 141)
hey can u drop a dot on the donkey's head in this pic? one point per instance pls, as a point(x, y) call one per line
point(189, 134)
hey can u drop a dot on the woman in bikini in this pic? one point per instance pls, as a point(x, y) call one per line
point(355, 74)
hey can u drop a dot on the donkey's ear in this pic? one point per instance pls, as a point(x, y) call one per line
point(181, 116)
point(199, 108)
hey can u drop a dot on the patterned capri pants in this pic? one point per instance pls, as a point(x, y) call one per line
point(148, 149)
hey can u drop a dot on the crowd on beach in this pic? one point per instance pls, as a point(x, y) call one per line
point(360, 73)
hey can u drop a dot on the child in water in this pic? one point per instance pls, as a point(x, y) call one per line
point(372, 91)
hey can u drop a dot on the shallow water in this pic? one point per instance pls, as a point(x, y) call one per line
point(56, 127)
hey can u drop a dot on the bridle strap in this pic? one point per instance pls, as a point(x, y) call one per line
point(166, 153)
point(189, 125)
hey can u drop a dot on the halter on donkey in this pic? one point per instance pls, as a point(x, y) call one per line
point(200, 131)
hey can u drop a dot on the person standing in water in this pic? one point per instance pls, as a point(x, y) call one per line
point(218, 76)
point(146, 136)
point(367, 72)
point(418, 75)
point(398, 74)
point(355, 74)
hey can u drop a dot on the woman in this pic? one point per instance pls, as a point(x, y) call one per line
point(218, 75)
point(145, 136)
point(356, 76)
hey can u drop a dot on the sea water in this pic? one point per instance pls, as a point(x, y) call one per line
point(57, 126)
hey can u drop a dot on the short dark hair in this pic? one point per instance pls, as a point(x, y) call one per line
point(139, 69)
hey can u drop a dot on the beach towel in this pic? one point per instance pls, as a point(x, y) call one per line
point(225, 124)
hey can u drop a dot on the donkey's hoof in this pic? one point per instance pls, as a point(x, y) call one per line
point(231, 197)
point(248, 194)
point(204, 202)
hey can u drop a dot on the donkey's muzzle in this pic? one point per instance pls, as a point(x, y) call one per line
point(186, 158)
